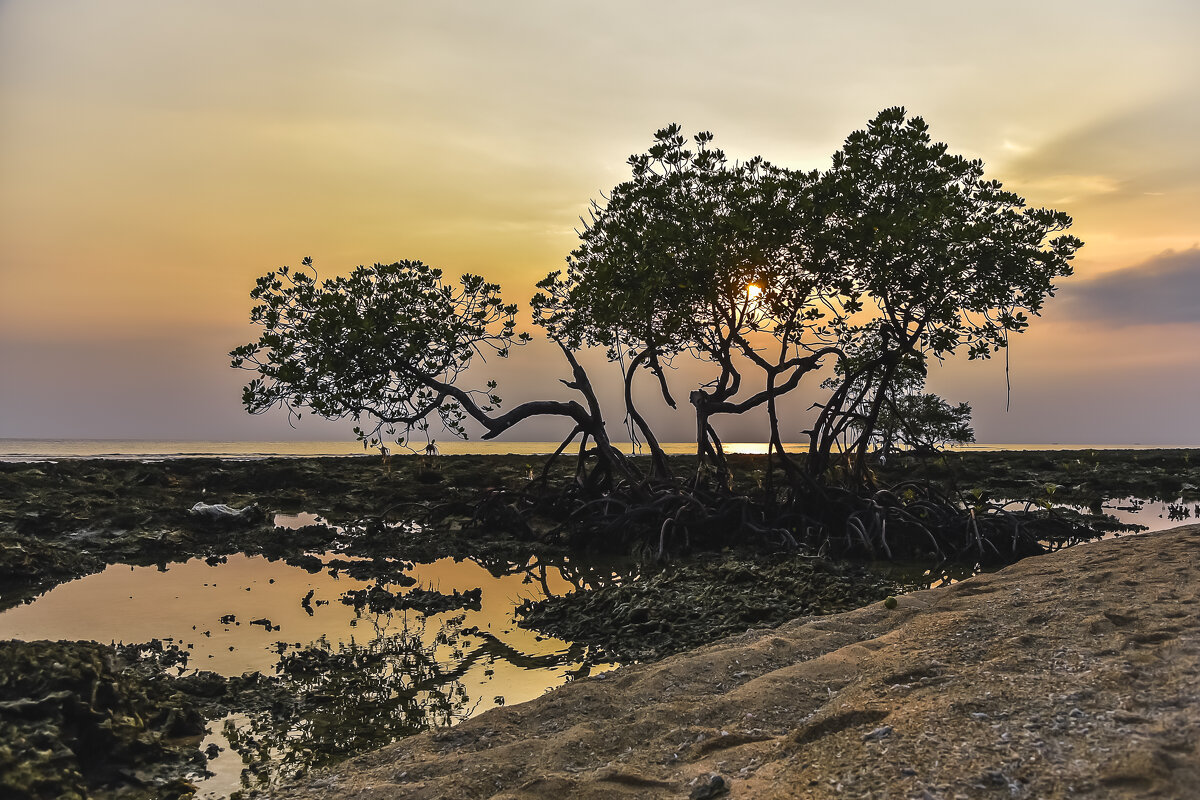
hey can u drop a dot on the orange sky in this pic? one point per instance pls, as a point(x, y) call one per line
point(155, 158)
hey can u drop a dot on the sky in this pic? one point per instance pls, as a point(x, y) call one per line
point(156, 158)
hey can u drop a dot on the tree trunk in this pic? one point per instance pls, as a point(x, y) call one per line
point(658, 459)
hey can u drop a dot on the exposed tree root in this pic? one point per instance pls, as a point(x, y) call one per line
point(904, 522)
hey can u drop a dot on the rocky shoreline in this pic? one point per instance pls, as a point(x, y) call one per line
point(1072, 674)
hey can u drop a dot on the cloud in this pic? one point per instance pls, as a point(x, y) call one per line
point(1126, 173)
point(1163, 290)
point(1059, 188)
point(1141, 149)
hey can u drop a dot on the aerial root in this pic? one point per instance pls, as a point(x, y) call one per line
point(906, 521)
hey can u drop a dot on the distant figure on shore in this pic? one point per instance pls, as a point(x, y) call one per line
point(431, 448)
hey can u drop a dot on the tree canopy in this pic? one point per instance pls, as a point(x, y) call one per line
point(943, 259)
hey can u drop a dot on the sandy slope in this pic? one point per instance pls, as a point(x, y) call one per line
point(1075, 674)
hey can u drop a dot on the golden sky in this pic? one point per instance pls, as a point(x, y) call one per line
point(155, 158)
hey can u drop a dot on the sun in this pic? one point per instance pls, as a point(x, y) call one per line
point(753, 290)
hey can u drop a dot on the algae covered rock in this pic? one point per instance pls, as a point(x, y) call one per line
point(699, 601)
point(72, 724)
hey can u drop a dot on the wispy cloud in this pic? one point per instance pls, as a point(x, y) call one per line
point(1162, 290)
point(1067, 188)
point(1140, 149)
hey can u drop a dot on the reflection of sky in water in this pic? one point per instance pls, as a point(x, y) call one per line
point(184, 602)
point(1156, 515)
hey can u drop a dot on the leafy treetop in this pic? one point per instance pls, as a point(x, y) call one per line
point(386, 342)
point(948, 258)
point(664, 264)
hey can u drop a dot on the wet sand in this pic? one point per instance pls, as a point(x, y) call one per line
point(1071, 674)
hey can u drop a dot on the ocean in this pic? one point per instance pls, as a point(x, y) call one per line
point(55, 449)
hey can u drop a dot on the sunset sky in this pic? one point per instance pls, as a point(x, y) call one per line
point(155, 158)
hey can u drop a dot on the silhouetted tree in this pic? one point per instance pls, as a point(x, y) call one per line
point(909, 418)
point(386, 346)
point(942, 258)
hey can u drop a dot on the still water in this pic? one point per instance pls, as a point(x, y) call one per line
point(379, 675)
point(49, 449)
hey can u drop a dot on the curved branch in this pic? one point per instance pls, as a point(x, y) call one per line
point(659, 465)
point(657, 369)
point(803, 367)
point(498, 425)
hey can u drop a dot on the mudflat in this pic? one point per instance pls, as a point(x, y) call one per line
point(1071, 674)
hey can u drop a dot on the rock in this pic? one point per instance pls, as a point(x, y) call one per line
point(882, 732)
point(820, 685)
point(74, 722)
point(715, 786)
point(220, 512)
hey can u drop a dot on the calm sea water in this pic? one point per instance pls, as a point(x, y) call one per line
point(51, 449)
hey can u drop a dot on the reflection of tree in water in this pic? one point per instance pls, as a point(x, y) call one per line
point(373, 542)
point(581, 575)
point(329, 702)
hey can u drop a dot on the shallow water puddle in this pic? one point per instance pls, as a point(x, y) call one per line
point(186, 602)
point(368, 677)
point(1155, 515)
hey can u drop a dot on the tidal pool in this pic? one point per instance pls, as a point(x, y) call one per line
point(365, 677)
point(1149, 515)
